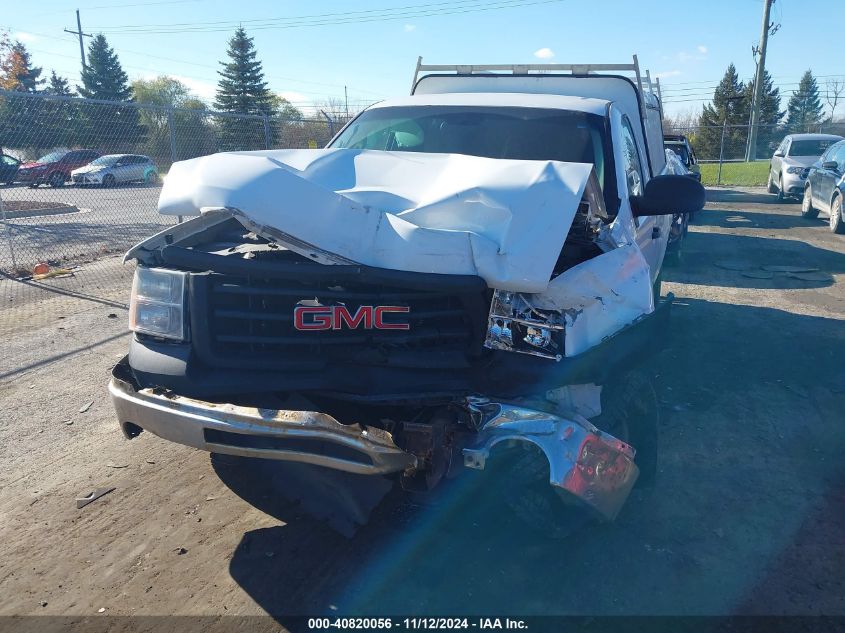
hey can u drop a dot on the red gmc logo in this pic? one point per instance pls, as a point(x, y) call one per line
point(338, 317)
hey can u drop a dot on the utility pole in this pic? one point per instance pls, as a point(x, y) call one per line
point(79, 32)
point(751, 150)
point(346, 99)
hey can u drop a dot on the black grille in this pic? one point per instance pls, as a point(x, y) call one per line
point(249, 322)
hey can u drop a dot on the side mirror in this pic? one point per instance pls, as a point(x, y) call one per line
point(779, 154)
point(830, 164)
point(668, 194)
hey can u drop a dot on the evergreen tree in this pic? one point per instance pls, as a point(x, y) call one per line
point(804, 109)
point(111, 128)
point(768, 132)
point(729, 105)
point(59, 120)
point(57, 85)
point(242, 90)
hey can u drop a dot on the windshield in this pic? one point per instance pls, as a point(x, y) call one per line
point(681, 151)
point(52, 157)
point(106, 160)
point(491, 132)
point(814, 147)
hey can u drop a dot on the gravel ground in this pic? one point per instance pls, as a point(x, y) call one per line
point(746, 516)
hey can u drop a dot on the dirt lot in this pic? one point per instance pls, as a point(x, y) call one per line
point(747, 515)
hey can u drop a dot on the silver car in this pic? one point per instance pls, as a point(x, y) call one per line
point(116, 168)
point(792, 159)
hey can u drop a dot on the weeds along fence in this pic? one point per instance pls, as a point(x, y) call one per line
point(80, 181)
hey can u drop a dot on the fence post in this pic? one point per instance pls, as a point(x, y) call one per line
point(8, 235)
point(722, 150)
point(172, 128)
point(173, 155)
point(266, 132)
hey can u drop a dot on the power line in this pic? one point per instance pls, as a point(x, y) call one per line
point(236, 23)
point(477, 8)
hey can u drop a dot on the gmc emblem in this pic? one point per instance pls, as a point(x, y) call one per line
point(338, 317)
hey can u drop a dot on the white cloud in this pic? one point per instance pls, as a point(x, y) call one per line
point(205, 90)
point(702, 49)
point(23, 36)
point(410, 27)
point(544, 53)
point(668, 73)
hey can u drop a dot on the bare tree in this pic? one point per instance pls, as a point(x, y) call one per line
point(833, 94)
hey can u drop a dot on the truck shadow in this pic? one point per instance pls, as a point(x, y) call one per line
point(749, 397)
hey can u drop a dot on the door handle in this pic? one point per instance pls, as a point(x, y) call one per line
point(655, 233)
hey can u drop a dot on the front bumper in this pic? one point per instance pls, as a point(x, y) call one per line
point(793, 184)
point(29, 177)
point(87, 179)
point(584, 462)
point(298, 436)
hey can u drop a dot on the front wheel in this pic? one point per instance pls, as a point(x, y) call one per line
point(807, 209)
point(630, 412)
point(837, 222)
point(57, 179)
point(108, 181)
point(770, 185)
point(780, 189)
point(151, 178)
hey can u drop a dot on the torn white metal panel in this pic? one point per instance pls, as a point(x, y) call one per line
point(503, 220)
point(599, 297)
point(177, 232)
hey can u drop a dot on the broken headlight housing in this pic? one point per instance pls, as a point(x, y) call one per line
point(157, 305)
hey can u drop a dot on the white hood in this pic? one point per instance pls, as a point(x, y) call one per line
point(504, 220)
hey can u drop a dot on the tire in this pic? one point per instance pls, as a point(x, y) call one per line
point(770, 186)
point(807, 209)
point(837, 222)
point(109, 181)
point(630, 412)
point(151, 178)
point(780, 189)
point(57, 179)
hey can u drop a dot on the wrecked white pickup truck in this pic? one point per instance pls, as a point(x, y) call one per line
point(468, 269)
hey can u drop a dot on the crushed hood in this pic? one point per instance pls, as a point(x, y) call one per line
point(503, 220)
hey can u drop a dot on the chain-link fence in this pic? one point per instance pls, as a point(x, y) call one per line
point(79, 185)
point(729, 143)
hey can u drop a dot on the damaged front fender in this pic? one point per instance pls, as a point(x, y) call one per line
point(584, 462)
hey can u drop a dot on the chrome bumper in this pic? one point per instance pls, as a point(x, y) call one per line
point(583, 461)
point(299, 436)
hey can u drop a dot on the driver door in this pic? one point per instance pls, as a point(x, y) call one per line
point(652, 231)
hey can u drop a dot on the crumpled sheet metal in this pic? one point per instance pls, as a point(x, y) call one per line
point(587, 463)
point(503, 220)
point(599, 296)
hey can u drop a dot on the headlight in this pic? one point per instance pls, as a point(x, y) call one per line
point(795, 170)
point(157, 305)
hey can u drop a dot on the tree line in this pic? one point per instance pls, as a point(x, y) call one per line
point(33, 125)
point(729, 112)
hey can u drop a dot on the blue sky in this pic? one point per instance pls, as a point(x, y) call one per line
point(687, 44)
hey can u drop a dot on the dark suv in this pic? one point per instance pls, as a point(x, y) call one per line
point(54, 168)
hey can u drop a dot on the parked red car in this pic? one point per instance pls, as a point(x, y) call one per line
point(54, 168)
